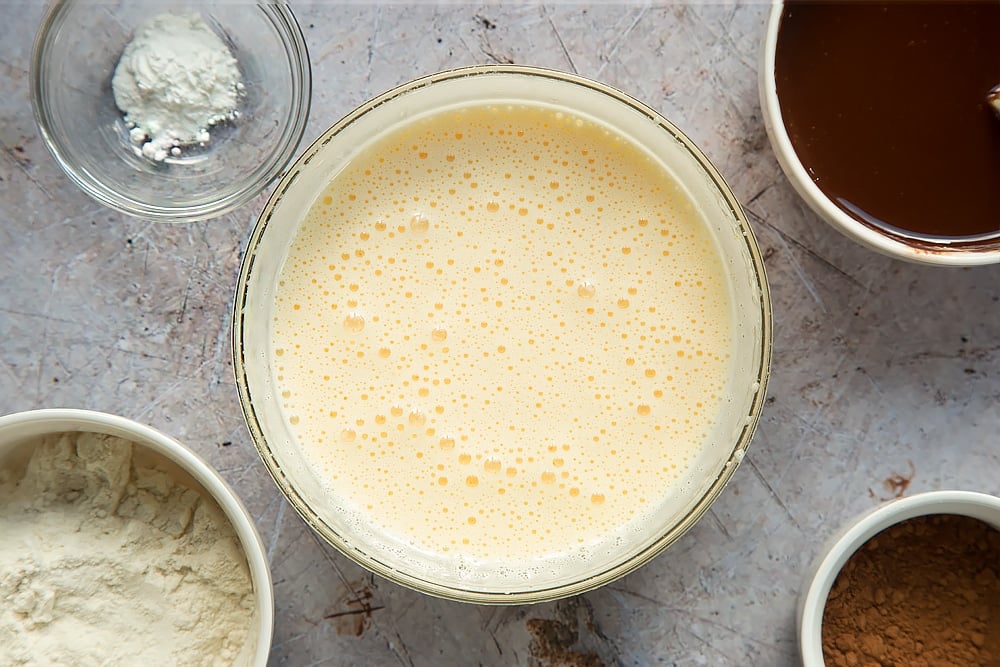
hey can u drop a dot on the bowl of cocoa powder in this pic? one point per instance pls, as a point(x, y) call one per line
point(915, 581)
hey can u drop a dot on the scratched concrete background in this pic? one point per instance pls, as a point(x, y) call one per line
point(886, 376)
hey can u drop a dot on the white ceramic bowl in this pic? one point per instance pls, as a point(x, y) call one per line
point(940, 254)
point(824, 570)
point(17, 428)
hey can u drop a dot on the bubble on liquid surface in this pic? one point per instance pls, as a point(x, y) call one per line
point(419, 223)
point(354, 323)
point(586, 289)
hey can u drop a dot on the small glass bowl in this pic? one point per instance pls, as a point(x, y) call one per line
point(74, 57)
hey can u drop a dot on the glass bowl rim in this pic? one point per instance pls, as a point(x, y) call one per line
point(286, 26)
point(614, 569)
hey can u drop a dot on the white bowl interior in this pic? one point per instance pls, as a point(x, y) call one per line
point(16, 429)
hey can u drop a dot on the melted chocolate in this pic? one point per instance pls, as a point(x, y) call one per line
point(885, 105)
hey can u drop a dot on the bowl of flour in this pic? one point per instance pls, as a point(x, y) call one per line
point(120, 544)
point(171, 111)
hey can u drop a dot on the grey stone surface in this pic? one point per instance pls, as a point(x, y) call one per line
point(880, 369)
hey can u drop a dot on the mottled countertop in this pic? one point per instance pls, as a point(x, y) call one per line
point(886, 376)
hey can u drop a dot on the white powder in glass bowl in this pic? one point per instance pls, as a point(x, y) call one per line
point(110, 553)
point(174, 80)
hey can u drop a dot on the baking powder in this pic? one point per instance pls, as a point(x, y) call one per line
point(174, 80)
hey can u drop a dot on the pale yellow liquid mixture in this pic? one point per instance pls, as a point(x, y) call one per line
point(502, 334)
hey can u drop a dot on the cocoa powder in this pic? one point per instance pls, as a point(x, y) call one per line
point(922, 593)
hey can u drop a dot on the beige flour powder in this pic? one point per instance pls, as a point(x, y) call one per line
point(109, 555)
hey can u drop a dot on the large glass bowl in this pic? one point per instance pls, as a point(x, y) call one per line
point(742, 273)
point(75, 54)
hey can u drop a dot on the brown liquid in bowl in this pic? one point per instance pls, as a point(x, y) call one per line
point(885, 107)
